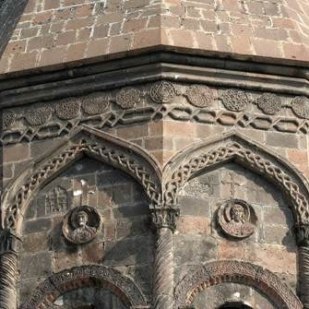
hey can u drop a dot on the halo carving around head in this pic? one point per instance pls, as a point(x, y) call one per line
point(236, 218)
point(81, 225)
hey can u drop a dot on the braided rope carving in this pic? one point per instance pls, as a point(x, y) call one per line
point(86, 276)
point(237, 272)
point(251, 159)
point(164, 270)
point(8, 268)
point(115, 157)
point(303, 256)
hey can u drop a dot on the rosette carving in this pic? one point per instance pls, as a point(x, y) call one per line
point(269, 103)
point(8, 119)
point(199, 96)
point(38, 116)
point(67, 109)
point(300, 107)
point(235, 100)
point(95, 104)
point(128, 97)
point(162, 92)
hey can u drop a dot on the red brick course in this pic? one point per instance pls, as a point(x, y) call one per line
point(244, 28)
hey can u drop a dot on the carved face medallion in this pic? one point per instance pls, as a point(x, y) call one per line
point(81, 225)
point(236, 218)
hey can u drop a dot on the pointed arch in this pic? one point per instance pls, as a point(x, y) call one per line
point(86, 276)
point(234, 147)
point(93, 143)
point(246, 273)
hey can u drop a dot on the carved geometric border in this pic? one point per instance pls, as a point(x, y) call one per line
point(246, 273)
point(86, 276)
point(110, 150)
point(234, 147)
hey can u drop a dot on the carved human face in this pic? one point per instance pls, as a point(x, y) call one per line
point(81, 218)
point(237, 213)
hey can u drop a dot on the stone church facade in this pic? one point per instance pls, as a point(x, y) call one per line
point(154, 154)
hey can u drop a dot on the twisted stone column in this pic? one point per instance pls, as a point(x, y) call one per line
point(302, 237)
point(9, 245)
point(163, 287)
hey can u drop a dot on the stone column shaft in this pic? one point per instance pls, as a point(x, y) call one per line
point(163, 287)
point(302, 238)
point(9, 245)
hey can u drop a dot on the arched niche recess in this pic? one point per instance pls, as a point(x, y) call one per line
point(86, 142)
point(207, 155)
point(215, 273)
point(102, 277)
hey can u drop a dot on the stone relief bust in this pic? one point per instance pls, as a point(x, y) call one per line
point(81, 225)
point(236, 218)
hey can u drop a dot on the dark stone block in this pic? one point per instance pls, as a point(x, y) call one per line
point(38, 225)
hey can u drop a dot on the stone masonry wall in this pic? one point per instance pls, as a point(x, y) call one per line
point(54, 32)
point(125, 241)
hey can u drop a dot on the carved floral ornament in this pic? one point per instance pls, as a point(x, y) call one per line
point(128, 105)
point(161, 92)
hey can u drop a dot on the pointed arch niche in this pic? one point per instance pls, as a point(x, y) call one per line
point(207, 155)
point(87, 142)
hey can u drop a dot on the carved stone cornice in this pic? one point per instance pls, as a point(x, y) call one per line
point(164, 217)
point(9, 242)
point(302, 235)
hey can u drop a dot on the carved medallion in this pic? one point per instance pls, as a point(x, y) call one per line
point(236, 218)
point(162, 92)
point(38, 116)
point(235, 100)
point(269, 103)
point(300, 107)
point(81, 225)
point(199, 96)
point(95, 104)
point(67, 109)
point(8, 119)
point(128, 97)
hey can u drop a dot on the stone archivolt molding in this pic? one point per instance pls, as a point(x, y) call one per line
point(234, 147)
point(86, 276)
point(246, 273)
point(108, 149)
point(163, 99)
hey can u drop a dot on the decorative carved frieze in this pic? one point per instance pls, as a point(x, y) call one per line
point(238, 272)
point(98, 276)
point(236, 218)
point(148, 102)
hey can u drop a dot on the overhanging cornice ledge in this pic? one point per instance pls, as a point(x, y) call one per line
point(37, 87)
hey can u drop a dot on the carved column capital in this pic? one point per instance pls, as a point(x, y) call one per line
point(164, 217)
point(302, 235)
point(9, 242)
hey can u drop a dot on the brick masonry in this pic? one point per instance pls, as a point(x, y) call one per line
point(60, 31)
